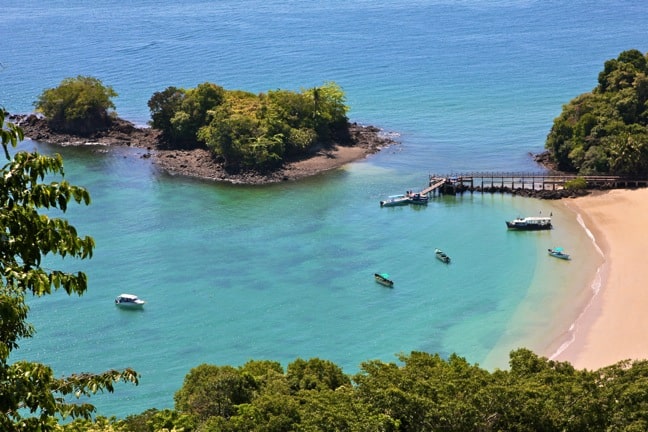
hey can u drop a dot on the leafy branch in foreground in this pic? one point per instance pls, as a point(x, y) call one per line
point(31, 397)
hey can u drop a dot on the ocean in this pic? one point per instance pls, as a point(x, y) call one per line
point(285, 271)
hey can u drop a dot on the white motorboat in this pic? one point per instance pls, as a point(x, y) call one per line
point(129, 301)
point(395, 200)
point(530, 223)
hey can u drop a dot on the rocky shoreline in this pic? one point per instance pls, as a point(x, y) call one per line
point(199, 163)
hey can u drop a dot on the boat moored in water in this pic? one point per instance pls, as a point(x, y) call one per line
point(558, 252)
point(383, 279)
point(409, 197)
point(532, 223)
point(417, 198)
point(129, 301)
point(395, 200)
point(442, 256)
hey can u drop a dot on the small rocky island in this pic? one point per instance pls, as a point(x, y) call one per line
point(200, 162)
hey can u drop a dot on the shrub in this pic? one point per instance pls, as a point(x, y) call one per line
point(78, 105)
point(575, 184)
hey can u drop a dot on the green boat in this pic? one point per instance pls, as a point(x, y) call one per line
point(441, 256)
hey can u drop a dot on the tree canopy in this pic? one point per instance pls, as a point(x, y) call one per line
point(248, 131)
point(77, 105)
point(606, 130)
point(31, 397)
point(421, 392)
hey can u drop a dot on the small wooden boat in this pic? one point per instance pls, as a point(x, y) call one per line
point(441, 256)
point(383, 279)
point(558, 253)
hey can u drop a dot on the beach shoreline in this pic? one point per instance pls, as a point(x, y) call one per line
point(611, 327)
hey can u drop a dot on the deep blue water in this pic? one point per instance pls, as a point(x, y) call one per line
point(283, 271)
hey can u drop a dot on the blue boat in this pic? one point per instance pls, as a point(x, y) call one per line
point(558, 253)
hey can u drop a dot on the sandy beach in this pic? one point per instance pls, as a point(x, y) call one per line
point(615, 324)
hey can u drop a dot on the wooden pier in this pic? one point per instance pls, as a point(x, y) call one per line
point(491, 182)
point(435, 183)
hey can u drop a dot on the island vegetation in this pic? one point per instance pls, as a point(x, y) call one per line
point(78, 106)
point(214, 133)
point(605, 131)
point(249, 131)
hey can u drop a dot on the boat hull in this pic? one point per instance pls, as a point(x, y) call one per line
point(382, 280)
point(559, 255)
point(528, 227)
point(129, 301)
point(529, 224)
point(130, 305)
point(394, 202)
point(441, 256)
point(419, 201)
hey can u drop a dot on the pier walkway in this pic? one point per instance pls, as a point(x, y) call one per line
point(489, 181)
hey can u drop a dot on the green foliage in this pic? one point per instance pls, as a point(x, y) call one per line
point(154, 420)
point(315, 374)
point(163, 106)
point(210, 391)
point(78, 105)
point(423, 392)
point(31, 396)
point(575, 184)
point(251, 132)
point(179, 113)
point(606, 131)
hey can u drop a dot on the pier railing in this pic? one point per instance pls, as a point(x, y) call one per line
point(523, 180)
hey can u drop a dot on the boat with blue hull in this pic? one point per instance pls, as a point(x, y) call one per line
point(558, 252)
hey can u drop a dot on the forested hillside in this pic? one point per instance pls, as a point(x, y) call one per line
point(422, 392)
point(606, 130)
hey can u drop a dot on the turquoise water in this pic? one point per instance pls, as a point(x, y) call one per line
point(283, 271)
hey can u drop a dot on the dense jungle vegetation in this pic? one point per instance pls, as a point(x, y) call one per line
point(249, 131)
point(606, 131)
point(422, 392)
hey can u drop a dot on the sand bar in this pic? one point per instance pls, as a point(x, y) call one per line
point(615, 325)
